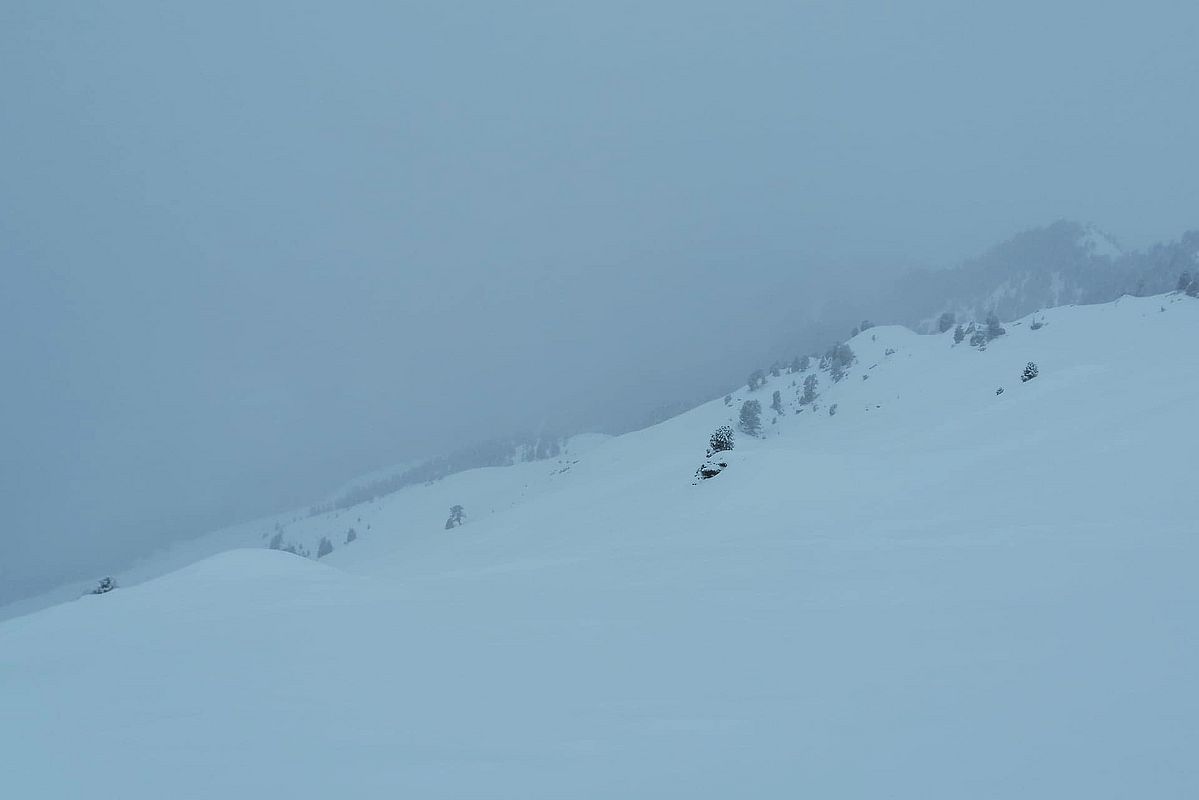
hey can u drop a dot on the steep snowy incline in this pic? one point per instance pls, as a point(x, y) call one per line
point(937, 592)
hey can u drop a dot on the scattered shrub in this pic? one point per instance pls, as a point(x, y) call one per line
point(106, 585)
point(720, 440)
point(751, 417)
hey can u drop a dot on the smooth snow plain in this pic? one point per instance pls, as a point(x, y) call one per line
point(939, 592)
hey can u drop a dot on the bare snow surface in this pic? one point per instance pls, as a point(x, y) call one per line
point(939, 592)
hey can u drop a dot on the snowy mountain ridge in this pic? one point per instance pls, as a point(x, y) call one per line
point(885, 588)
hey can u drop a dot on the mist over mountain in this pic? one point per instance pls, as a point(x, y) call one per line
point(1058, 264)
point(1063, 263)
point(529, 400)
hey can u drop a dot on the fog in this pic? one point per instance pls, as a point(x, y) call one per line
point(249, 250)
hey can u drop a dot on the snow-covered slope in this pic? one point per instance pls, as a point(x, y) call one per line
point(939, 591)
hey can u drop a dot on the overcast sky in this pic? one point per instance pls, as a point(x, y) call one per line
point(249, 249)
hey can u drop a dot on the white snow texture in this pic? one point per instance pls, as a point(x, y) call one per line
point(939, 592)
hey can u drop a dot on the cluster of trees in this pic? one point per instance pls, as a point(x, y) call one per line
point(323, 548)
point(757, 378)
point(986, 333)
point(980, 335)
point(278, 543)
point(838, 358)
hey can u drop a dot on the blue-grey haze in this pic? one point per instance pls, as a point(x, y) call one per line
point(250, 249)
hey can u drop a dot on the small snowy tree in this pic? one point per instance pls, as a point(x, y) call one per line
point(324, 548)
point(832, 410)
point(776, 402)
point(837, 359)
point(1030, 372)
point(809, 391)
point(351, 535)
point(994, 329)
point(720, 440)
point(751, 417)
point(756, 380)
point(959, 333)
point(456, 517)
point(1184, 281)
point(946, 321)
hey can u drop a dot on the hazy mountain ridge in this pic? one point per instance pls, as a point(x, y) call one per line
point(888, 583)
point(1066, 263)
point(1063, 263)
